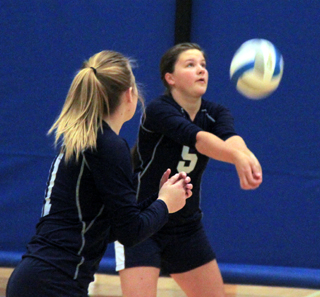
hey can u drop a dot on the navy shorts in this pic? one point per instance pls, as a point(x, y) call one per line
point(173, 251)
point(35, 278)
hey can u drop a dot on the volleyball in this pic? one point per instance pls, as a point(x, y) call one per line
point(256, 68)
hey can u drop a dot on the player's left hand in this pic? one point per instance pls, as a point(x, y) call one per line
point(182, 175)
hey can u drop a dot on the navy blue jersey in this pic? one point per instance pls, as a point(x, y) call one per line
point(90, 203)
point(167, 138)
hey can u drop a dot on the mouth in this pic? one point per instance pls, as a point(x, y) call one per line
point(201, 80)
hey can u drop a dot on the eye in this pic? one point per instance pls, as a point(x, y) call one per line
point(190, 65)
point(204, 65)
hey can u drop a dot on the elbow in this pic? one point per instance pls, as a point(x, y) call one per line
point(128, 241)
point(128, 236)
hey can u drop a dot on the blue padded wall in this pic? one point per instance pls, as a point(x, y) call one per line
point(42, 45)
point(278, 224)
point(257, 235)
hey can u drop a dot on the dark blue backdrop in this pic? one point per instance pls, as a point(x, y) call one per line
point(278, 223)
point(43, 43)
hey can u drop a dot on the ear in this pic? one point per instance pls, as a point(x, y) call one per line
point(169, 78)
point(128, 95)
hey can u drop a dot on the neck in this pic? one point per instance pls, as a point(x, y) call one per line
point(115, 121)
point(190, 104)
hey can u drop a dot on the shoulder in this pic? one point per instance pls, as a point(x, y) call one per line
point(223, 122)
point(162, 108)
point(213, 107)
point(111, 146)
point(218, 112)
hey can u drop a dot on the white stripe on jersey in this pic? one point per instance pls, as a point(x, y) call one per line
point(85, 228)
point(208, 115)
point(120, 257)
point(80, 218)
point(46, 208)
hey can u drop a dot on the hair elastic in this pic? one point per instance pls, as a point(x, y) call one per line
point(94, 70)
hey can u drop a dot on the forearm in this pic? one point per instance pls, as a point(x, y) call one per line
point(131, 229)
point(235, 151)
point(213, 147)
point(238, 143)
point(147, 202)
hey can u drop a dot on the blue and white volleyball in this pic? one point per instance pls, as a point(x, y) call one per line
point(256, 68)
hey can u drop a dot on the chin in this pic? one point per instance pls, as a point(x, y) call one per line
point(200, 93)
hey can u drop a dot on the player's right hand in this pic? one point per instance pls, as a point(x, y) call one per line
point(249, 171)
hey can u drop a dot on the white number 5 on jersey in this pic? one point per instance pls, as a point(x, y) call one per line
point(189, 160)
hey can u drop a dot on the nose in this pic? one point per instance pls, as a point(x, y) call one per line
point(201, 69)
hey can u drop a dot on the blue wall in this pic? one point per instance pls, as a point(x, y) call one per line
point(278, 224)
point(43, 43)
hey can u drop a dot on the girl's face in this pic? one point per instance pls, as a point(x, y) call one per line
point(190, 76)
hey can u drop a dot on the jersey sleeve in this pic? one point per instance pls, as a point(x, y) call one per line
point(112, 172)
point(167, 119)
point(223, 126)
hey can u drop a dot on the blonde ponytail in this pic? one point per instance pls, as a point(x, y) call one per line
point(95, 92)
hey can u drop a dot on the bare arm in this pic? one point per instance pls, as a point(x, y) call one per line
point(212, 146)
point(234, 151)
point(238, 143)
